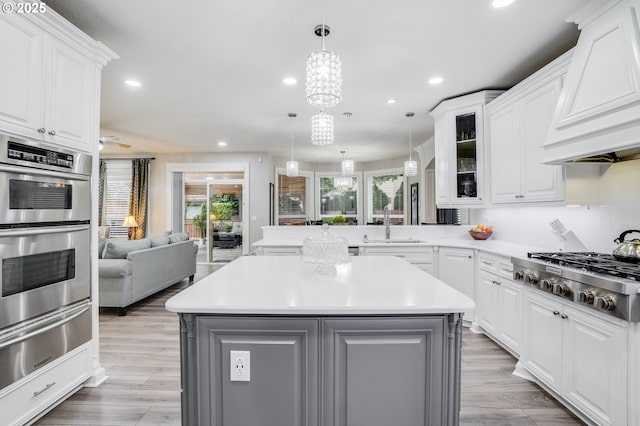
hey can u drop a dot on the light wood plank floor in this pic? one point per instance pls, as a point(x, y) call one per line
point(141, 355)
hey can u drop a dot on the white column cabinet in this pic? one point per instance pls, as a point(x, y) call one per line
point(578, 355)
point(518, 123)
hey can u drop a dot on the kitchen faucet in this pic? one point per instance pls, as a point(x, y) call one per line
point(386, 222)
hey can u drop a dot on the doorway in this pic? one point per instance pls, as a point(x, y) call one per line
point(210, 203)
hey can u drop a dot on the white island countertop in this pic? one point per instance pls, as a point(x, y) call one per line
point(285, 285)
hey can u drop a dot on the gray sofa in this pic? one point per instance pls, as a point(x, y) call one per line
point(132, 270)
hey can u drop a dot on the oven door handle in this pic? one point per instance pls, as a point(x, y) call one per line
point(40, 330)
point(42, 230)
point(39, 172)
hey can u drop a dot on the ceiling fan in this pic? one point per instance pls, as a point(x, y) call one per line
point(111, 139)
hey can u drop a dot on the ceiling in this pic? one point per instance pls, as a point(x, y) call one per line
point(212, 70)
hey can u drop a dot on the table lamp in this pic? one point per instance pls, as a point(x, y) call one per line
point(130, 222)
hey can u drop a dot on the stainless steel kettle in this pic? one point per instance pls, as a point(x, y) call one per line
point(627, 251)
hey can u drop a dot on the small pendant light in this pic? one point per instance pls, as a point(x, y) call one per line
point(292, 166)
point(410, 166)
point(342, 183)
point(322, 129)
point(348, 166)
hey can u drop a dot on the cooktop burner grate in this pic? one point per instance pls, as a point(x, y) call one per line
point(599, 263)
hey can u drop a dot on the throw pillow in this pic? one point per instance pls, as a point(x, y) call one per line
point(178, 236)
point(160, 240)
point(102, 242)
point(115, 249)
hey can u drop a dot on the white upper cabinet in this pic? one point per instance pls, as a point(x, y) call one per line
point(598, 111)
point(70, 108)
point(21, 76)
point(51, 89)
point(459, 149)
point(518, 122)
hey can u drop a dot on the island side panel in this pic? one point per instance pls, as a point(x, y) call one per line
point(382, 371)
point(283, 386)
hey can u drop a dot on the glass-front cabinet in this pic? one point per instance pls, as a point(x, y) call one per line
point(459, 149)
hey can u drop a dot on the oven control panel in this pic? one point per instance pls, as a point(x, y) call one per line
point(37, 155)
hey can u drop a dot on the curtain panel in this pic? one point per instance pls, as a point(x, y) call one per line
point(139, 196)
point(102, 178)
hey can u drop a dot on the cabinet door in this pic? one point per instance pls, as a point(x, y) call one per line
point(487, 302)
point(539, 182)
point(467, 156)
point(504, 137)
point(71, 114)
point(384, 371)
point(509, 313)
point(542, 339)
point(594, 367)
point(21, 75)
point(283, 364)
point(455, 268)
point(442, 162)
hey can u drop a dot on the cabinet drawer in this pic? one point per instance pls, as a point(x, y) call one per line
point(43, 388)
point(419, 254)
point(281, 251)
point(495, 264)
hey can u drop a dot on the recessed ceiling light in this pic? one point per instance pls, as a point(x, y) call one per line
point(209, 178)
point(391, 101)
point(133, 83)
point(290, 81)
point(222, 143)
point(436, 80)
point(501, 3)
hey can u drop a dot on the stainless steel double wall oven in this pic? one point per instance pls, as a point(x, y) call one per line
point(45, 279)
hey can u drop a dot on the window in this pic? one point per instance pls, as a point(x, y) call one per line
point(294, 203)
point(116, 197)
point(386, 188)
point(292, 194)
point(338, 202)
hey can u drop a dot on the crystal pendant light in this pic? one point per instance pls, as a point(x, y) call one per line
point(292, 166)
point(322, 129)
point(410, 166)
point(342, 183)
point(324, 74)
point(348, 166)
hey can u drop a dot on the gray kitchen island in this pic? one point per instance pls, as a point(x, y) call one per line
point(267, 341)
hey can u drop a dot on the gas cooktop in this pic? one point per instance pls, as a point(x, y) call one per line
point(599, 263)
point(593, 280)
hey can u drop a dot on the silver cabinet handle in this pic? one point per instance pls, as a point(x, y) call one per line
point(564, 316)
point(43, 389)
point(42, 130)
point(556, 313)
point(486, 263)
point(52, 132)
point(38, 331)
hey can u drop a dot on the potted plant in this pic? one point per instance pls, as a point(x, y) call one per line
point(201, 223)
point(339, 220)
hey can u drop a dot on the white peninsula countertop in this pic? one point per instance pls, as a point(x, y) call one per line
point(285, 285)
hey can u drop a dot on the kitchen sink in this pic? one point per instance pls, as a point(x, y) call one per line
point(393, 241)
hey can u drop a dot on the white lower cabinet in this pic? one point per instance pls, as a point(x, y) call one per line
point(422, 257)
point(499, 301)
point(456, 269)
point(25, 400)
point(580, 355)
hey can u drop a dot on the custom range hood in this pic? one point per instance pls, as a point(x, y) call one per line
point(597, 117)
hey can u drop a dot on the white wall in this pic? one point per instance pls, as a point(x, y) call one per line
point(596, 226)
point(260, 174)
